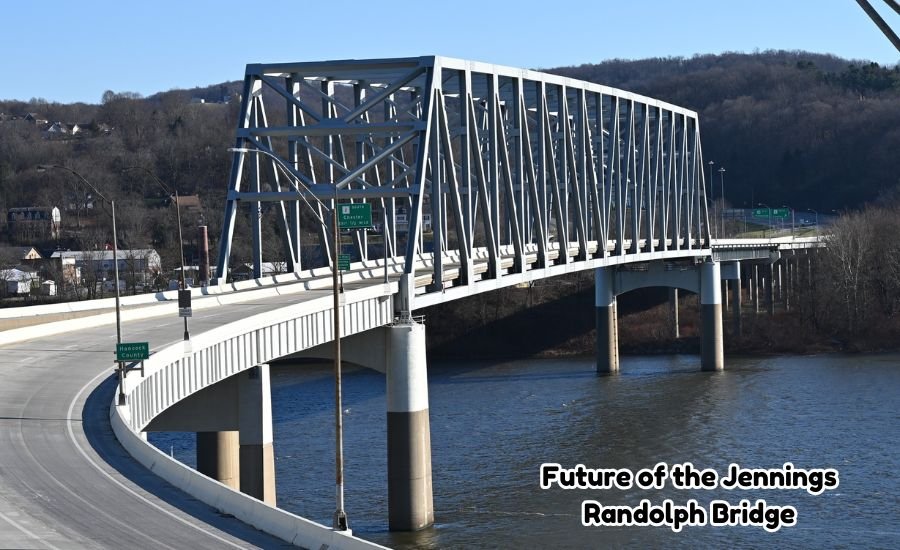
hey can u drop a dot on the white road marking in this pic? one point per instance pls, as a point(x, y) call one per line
point(119, 483)
point(27, 533)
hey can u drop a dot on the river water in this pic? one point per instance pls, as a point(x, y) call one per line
point(494, 423)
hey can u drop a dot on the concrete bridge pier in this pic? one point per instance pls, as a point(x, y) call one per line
point(607, 329)
point(257, 456)
point(233, 422)
point(673, 312)
point(736, 299)
point(754, 292)
point(712, 355)
point(217, 457)
point(410, 500)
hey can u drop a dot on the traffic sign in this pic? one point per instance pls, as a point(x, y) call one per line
point(184, 303)
point(355, 215)
point(344, 262)
point(781, 212)
point(761, 212)
point(132, 351)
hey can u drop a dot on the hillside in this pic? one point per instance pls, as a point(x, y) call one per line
point(793, 128)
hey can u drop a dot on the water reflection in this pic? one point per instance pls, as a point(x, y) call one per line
point(494, 423)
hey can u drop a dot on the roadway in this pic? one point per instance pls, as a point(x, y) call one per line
point(65, 482)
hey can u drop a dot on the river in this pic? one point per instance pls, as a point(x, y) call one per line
point(494, 423)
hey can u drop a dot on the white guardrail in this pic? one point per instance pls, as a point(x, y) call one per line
point(179, 370)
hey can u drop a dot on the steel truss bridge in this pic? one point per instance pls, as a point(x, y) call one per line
point(517, 170)
point(483, 176)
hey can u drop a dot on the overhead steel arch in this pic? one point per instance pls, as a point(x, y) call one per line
point(465, 163)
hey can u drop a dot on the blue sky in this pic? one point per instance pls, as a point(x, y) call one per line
point(67, 51)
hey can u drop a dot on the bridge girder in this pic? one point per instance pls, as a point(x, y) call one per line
point(499, 160)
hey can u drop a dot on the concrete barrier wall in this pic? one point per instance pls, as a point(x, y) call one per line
point(284, 525)
point(59, 318)
point(179, 370)
point(310, 279)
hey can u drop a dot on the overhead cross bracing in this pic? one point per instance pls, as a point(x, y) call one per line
point(510, 169)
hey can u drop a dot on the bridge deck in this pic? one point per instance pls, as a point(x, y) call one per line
point(65, 481)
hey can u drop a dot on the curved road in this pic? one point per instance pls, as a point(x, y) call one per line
point(64, 480)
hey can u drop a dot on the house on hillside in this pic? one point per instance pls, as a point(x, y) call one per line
point(33, 223)
point(137, 267)
point(190, 204)
point(33, 118)
point(19, 255)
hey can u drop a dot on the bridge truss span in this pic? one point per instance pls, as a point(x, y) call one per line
point(483, 170)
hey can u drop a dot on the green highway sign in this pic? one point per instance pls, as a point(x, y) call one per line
point(781, 212)
point(132, 351)
point(355, 215)
point(344, 262)
point(761, 212)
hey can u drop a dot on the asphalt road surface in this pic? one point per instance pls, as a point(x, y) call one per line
point(65, 482)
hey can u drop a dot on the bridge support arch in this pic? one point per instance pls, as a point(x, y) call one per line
point(233, 422)
point(703, 279)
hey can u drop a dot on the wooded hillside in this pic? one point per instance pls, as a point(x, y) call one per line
point(790, 128)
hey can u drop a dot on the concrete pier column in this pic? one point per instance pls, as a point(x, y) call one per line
point(712, 355)
point(754, 292)
point(770, 291)
point(736, 301)
point(787, 284)
point(779, 281)
point(673, 312)
point(257, 464)
point(410, 500)
point(607, 329)
point(217, 457)
point(724, 292)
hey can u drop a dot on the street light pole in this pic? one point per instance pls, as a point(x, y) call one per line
point(722, 196)
point(112, 204)
point(340, 522)
point(792, 219)
point(187, 334)
point(711, 184)
point(769, 224)
point(817, 220)
point(340, 516)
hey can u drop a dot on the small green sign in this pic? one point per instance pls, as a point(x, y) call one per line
point(781, 212)
point(355, 215)
point(344, 262)
point(761, 212)
point(132, 351)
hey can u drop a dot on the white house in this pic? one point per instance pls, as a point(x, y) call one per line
point(18, 280)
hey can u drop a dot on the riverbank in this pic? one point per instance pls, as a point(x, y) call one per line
point(556, 319)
